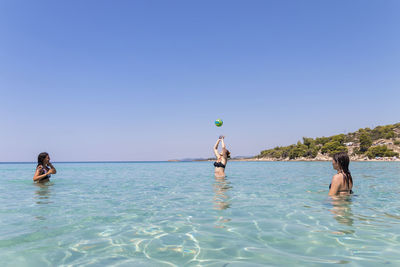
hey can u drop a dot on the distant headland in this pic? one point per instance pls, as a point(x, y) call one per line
point(380, 143)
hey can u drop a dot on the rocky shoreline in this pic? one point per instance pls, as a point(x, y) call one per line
point(319, 159)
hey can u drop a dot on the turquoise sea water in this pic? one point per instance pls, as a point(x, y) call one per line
point(178, 214)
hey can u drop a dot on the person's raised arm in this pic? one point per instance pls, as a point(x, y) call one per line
point(216, 148)
point(222, 142)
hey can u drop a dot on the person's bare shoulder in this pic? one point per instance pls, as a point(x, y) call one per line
point(337, 177)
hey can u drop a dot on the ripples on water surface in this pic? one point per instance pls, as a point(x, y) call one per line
point(177, 214)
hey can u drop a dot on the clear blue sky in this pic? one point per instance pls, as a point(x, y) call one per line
point(145, 80)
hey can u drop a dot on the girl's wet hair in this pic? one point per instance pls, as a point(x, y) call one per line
point(343, 160)
point(41, 158)
point(228, 154)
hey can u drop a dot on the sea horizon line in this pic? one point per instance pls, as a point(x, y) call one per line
point(98, 161)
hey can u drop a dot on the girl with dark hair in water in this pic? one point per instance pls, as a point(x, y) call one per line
point(44, 168)
point(222, 158)
point(342, 182)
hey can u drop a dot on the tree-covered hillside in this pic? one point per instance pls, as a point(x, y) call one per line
point(382, 141)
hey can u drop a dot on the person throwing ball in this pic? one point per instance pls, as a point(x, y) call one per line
point(44, 168)
point(222, 158)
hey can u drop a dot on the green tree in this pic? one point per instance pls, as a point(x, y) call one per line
point(338, 138)
point(321, 140)
point(333, 147)
point(390, 134)
point(311, 152)
point(382, 132)
point(309, 142)
point(298, 151)
point(381, 151)
point(365, 142)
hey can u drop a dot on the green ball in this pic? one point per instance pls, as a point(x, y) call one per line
point(219, 123)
